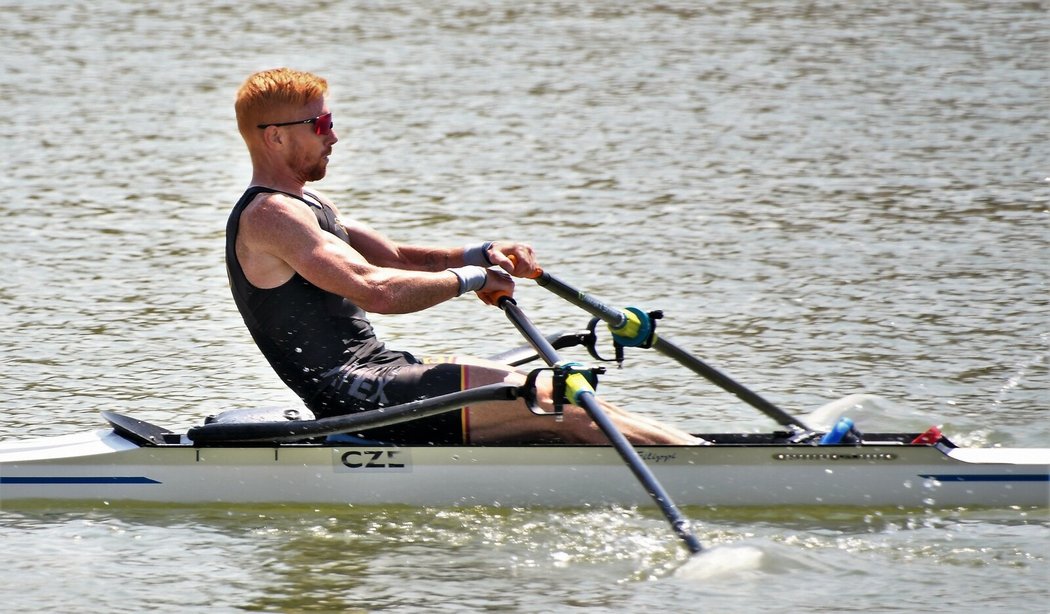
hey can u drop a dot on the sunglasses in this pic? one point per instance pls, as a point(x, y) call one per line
point(322, 124)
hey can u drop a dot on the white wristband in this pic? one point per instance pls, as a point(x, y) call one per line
point(471, 278)
point(477, 255)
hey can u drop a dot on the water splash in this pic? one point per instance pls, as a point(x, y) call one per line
point(1015, 380)
point(870, 413)
point(722, 561)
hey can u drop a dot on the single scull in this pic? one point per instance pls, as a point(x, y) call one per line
point(285, 456)
point(137, 461)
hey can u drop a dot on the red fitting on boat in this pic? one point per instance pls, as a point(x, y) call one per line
point(930, 437)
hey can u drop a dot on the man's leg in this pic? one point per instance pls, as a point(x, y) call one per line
point(501, 421)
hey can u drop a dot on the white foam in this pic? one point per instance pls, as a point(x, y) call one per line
point(721, 561)
point(870, 413)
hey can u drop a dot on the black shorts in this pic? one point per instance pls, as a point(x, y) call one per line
point(362, 389)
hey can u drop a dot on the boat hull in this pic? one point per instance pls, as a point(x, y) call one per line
point(105, 466)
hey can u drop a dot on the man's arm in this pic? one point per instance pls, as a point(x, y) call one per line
point(518, 259)
point(381, 251)
point(279, 236)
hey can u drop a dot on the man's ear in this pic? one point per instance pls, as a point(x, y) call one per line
point(272, 136)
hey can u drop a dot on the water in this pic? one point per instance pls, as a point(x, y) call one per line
point(825, 198)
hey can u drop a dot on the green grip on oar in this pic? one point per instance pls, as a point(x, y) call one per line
point(576, 383)
point(636, 330)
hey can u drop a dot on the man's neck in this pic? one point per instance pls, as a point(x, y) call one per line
point(278, 181)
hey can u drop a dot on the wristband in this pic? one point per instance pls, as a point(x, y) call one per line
point(471, 278)
point(477, 255)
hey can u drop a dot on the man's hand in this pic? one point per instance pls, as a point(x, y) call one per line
point(518, 259)
point(498, 285)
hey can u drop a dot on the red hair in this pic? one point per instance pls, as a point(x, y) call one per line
point(265, 95)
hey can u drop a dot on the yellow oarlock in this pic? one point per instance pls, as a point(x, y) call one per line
point(576, 383)
point(636, 329)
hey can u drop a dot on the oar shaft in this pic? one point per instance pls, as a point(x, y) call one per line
point(616, 318)
point(532, 334)
point(610, 315)
point(293, 431)
point(678, 522)
point(723, 381)
point(589, 403)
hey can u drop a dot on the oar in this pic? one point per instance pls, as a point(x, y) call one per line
point(633, 327)
point(580, 392)
point(296, 430)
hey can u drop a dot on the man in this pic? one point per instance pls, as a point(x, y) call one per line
point(303, 278)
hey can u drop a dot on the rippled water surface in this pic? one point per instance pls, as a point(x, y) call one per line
point(823, 197)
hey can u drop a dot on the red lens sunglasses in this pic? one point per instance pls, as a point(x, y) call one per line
point(322, 124)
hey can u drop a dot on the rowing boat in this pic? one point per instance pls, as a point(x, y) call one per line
point(133, 460)
point(281, 456)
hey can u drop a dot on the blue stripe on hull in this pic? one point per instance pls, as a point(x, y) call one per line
point(80, 480)
point(1007, 477)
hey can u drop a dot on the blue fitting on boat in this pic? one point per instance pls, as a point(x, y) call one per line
point(636, 331)
point(839, 432)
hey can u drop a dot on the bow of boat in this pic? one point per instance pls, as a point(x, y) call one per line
point(58, 447)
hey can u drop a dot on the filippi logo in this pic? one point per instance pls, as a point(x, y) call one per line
point(655, 458)
point(390, 460)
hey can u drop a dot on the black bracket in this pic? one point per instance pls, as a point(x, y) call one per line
point(559, 375)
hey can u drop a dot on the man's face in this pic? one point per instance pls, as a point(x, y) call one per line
point(310, 144)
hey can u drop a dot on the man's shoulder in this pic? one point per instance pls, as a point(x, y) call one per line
point(275, 209)
point(283, 201)
point(277, 201)
point(319, 198)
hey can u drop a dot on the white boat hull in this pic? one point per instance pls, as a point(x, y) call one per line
point(104, 466)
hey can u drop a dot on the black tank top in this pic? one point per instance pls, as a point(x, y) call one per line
point(307, 334)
